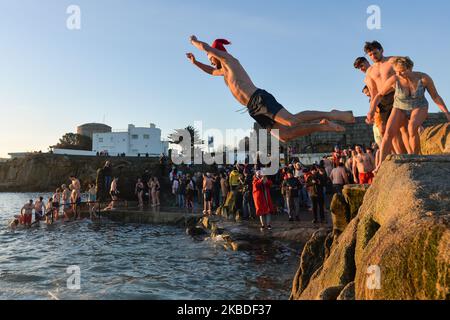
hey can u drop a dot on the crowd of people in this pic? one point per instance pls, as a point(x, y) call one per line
point(296, 187)
point(65, 203)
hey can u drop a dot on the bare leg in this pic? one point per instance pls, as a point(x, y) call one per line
point(392, 131)
point(334, 115)
point(286, 134)
point(418, 117)
point(404, 135)
point(285, 118)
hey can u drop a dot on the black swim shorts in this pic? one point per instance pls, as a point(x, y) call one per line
point(263, 107)
point(208, 195)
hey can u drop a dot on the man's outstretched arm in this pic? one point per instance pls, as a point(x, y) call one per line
point(208, 69)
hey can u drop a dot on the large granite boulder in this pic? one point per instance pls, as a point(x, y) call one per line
point(436, 140)
point(398, 245)
point(311, 260)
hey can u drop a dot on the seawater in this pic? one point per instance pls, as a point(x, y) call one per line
point(128, 261)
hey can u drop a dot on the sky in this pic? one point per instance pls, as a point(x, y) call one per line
point(127, 63)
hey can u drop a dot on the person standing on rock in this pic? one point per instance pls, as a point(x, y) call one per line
point(339, 178)
point(74, 201)
point(156, 190)
point(175, 186)
point(92, 201)
point(139, 192)
point(409, 88)
point(207, 191)
point(56, 203)
point(247, 198)
point(376, 77)
point(363, 167)
point(263, 200)
point(316, 182)
point(114, 192)
point(107, 172)
point(292, 186)
point(190, 190)
point(337, 155)
point(77, 187)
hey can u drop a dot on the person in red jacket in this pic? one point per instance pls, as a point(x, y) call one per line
point(262, 199)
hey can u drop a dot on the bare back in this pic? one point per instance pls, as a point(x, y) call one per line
point(237, 80)
point(207, 184)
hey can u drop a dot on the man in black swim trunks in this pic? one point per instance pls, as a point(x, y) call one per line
point(262, 106)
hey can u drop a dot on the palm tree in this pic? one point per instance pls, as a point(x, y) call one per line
point(177, 136)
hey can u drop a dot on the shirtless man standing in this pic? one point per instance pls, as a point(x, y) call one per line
point(207, 192)
point(376, 77)
point(39, 209)
point(363, 164)
point(262, 106)
point(76, 185)
point(27, 213)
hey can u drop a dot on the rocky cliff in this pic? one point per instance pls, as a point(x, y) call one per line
point(396, 247)
point(46, 172)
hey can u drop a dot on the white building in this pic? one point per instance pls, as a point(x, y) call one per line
point(134, 142)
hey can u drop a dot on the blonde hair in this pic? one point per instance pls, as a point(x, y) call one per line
point(404, 62)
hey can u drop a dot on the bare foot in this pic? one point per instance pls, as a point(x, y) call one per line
point(345, 116)
point(331, 126)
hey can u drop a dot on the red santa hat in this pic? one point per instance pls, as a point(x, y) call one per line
point(220, 44)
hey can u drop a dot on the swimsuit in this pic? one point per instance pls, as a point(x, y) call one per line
point(38, 215)
point(263, 107)
point(66, 204)
point(366, 178)
point(410, 102)
point(27, 218)
point(208, 195)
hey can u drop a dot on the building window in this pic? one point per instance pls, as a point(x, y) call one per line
point(112, 139)
point(100, 139)
point(146, 137)
point(134, 136)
